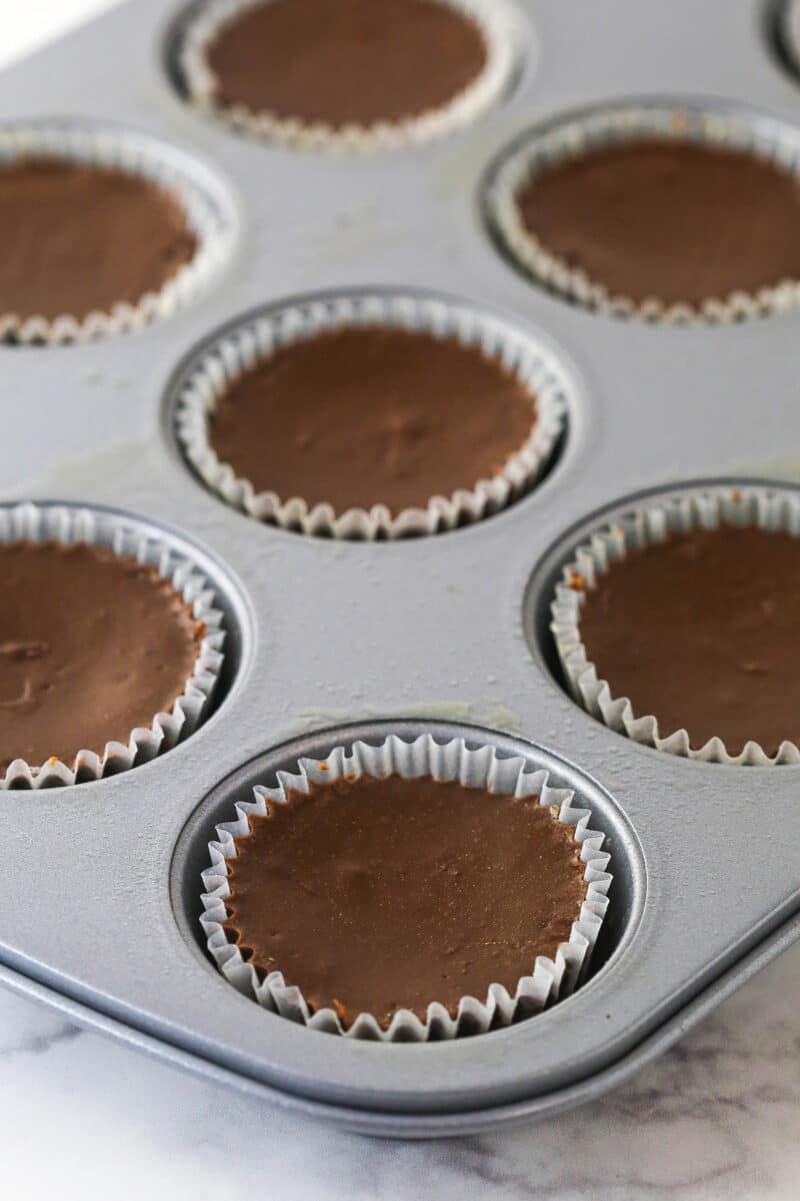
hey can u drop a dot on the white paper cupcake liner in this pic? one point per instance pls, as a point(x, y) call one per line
point(743, 506)
point(68, 525)
point(118, 150)
point(242, 349)
point(496, 19)
point(574, 138)
point(550, 979)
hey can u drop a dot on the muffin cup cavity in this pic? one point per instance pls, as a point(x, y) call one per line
point(136, 156)
point(745, 506)
point(496, 19)
point(571, 139)
point(242, 349)
point(483, 768)
point(67, 525)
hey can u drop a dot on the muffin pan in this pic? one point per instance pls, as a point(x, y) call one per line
point(329, 641)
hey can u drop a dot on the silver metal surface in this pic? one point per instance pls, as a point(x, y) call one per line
point(92, 907)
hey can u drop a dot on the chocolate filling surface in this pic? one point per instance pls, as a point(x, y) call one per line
point(700, 632)
point(77, 239)
point(376, 895)
point(674, 220)
point(346, 61)
point(91, 645)
point(359, 417)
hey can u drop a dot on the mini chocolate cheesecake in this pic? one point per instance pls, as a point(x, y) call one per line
point(377, 895)
point(699, 632)
point(372, 415)
point(92, 646)
point(679, 221)
point(352, 62)
point(77, 239)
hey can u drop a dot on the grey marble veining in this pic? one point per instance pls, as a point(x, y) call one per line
point(716, 1117)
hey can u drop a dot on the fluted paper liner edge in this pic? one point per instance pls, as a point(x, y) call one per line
point(252, 343)
point(747, 505)
point(572, 138)
point(482, 768)
point(68, 525)
point(135, 155)
point(497, 21)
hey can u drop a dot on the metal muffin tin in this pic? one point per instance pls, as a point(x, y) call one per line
point(448, 632)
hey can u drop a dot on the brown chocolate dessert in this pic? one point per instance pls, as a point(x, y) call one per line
point(675, 220)
point(78, 239)
point(348, 62)
point(362, 416)
point(92, 645)
point(699, 632)
point(376, 895)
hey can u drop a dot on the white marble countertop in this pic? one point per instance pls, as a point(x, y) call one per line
point(83, 1116)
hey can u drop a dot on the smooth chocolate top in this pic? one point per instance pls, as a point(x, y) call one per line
point(373, 415)
point(346, 61)
point(674, 220)
point(376, 895)
point(701, 632)
point(74, 239)
point(91, 645)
